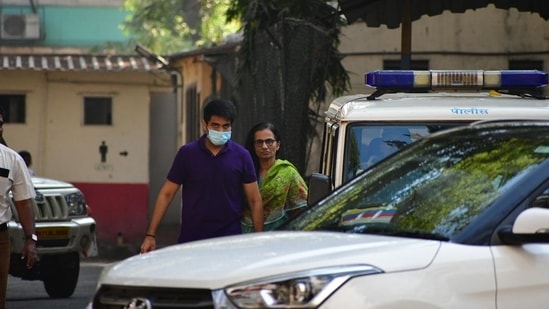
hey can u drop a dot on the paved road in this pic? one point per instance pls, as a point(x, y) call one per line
point(31, 294)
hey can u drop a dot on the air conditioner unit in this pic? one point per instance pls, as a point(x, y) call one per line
point(20, 27)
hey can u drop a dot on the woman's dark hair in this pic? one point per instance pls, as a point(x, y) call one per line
point(250, 140)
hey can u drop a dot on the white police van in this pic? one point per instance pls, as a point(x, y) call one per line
point(408, 105)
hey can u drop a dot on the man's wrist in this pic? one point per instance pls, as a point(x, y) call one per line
point(32, 237)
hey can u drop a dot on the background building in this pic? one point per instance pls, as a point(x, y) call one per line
point(482, 39)
point(61, 25)
point(84, 114)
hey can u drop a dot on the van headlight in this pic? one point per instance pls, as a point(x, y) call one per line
point(76, 203)
point(307, 289)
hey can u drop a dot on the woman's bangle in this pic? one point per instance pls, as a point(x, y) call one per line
point(150, 235)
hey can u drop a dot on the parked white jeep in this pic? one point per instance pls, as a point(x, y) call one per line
point(66, 233)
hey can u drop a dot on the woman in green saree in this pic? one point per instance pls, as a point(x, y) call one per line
point(283, 190)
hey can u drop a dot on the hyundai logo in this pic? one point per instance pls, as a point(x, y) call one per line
point(139, 303)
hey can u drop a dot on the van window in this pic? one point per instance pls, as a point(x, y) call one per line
point(369, 143)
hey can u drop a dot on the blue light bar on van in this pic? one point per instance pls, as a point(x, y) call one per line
point(457, 79)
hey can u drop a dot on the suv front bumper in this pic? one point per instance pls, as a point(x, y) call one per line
point(57, 237)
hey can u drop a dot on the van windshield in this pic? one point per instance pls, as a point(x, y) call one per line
point(369, 143)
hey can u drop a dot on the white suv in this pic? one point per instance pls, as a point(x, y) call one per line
point(66, 233)
point(456, 220)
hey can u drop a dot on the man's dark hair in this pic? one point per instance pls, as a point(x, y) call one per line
point(221, 108)
point(26, 156)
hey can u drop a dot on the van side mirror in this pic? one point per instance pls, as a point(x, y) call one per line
point(319, 187)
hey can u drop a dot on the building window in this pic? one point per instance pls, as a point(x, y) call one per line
point(97, 111)
point(417, 65)
point(14, 107)
point(526, 65)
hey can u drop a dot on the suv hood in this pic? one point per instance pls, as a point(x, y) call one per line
point(220, 262)
point(46, 183)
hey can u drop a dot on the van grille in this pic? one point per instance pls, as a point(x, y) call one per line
point(119, 297)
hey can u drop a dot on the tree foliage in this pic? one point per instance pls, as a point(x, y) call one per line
point(303, 67)
point(171, 26)
point(259, 16)
point(288, 63)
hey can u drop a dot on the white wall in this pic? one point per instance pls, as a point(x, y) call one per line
point(483, 39)
point(62, 147)
point(25, 136)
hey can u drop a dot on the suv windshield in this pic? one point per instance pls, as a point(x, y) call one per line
point(434, 188)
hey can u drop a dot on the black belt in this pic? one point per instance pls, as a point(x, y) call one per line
point(3, 227)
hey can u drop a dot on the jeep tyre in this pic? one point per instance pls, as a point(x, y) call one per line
point(61, 279)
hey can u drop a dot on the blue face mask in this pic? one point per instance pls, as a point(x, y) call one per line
point(219, 138)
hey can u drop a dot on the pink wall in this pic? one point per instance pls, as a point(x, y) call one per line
point(118, 208)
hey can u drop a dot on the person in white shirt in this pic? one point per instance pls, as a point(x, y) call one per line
point(15, 178)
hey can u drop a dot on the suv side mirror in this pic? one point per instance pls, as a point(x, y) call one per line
point(319, 187)
point(531, 226)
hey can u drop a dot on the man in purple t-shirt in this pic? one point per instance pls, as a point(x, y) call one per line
point(215, 175)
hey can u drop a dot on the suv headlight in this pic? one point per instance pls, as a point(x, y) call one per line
point(307, 289)
point(76, 203)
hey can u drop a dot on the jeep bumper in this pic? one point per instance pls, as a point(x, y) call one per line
point(58, 237)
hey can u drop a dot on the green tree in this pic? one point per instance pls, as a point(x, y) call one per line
point(259, 16)
point(171, 26)
point(288, 63)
